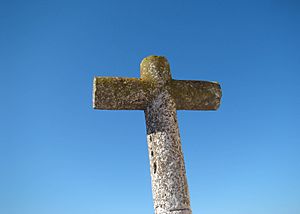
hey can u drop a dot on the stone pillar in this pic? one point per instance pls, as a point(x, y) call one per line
point(169, 183)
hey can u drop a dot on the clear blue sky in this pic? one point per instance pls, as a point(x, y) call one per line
point(59, 156)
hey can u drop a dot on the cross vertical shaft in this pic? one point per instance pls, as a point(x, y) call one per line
point(169, 183)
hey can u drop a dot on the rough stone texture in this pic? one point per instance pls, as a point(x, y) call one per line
point(160, 96)
point(121, 93)
point(195, 95)
point(117, 93)
point(169, 184)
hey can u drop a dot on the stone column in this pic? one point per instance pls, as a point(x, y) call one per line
point(169, 183)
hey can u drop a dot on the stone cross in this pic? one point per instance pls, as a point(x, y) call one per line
point(159, 96)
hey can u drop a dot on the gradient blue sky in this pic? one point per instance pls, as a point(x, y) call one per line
point(59, 156)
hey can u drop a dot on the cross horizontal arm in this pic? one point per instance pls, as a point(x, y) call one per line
point(195, 95)
point(117, 93)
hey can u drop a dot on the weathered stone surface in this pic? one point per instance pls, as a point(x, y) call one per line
point(195, 95)
point(121, 93)
point(160, 96)
point(117, 93)
point(169, 183)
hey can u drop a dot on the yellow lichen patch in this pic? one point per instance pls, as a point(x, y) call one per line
point(195, 95)
point(121, 93)
point(155, 68)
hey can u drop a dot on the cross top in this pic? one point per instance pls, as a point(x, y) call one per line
point(156, 69)
point(160, 96)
